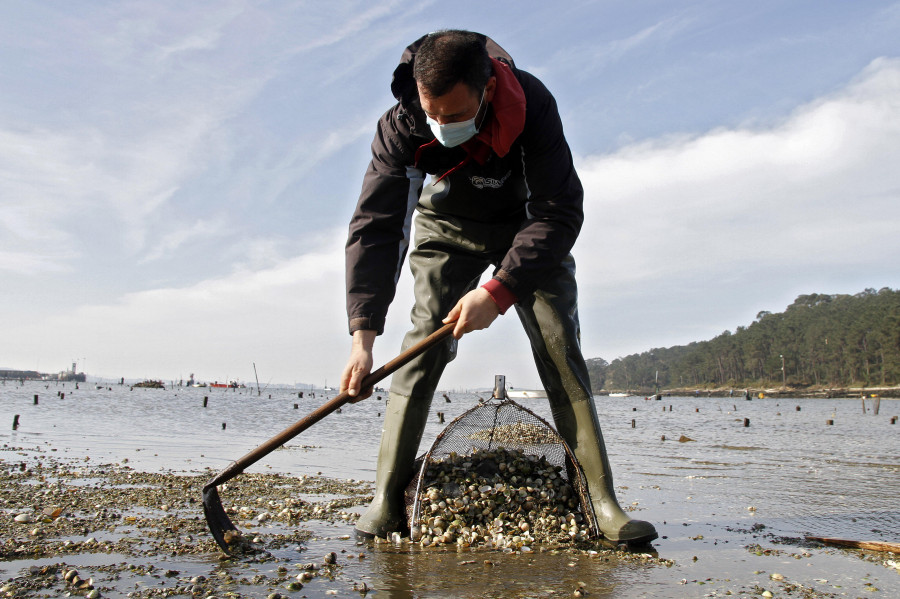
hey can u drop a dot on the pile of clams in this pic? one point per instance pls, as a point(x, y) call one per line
point(496, 498)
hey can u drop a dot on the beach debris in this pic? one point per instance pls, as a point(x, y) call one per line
point(856, 544)
point(150, 385)
point(52, 513)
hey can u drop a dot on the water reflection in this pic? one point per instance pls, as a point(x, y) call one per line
point(428, 573)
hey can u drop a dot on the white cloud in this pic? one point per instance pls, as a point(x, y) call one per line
point(139, 119)
point(797, 203)
point(179, 235)
point(583, 61)
point(330, 25)
point(288, 318)
point(30, 263)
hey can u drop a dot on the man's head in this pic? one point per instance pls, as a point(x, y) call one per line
point(455, 81)
point(448, 57)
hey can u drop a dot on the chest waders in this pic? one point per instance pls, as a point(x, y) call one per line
point(447, 261)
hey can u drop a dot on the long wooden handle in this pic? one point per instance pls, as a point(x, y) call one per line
point(330, 406)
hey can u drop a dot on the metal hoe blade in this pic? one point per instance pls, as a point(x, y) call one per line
point(220, 525)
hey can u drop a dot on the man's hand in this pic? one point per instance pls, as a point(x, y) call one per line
point(359, 365)
point(475, 311)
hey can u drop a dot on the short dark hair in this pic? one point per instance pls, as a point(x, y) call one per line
point(449, 56)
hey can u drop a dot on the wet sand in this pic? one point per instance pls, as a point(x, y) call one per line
point(731, 516)
point(131, 534)
point(139, 535)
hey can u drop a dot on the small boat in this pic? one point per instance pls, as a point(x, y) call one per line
point(231, 385)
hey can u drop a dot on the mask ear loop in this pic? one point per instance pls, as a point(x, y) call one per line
point(483, 116)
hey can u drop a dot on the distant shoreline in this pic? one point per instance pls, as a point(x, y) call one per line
point(754, 392)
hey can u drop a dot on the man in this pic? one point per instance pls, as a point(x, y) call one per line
point(501, 191)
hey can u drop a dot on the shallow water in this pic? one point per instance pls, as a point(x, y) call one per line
point(787, 475)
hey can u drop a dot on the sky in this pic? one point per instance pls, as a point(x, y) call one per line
point(176, 179)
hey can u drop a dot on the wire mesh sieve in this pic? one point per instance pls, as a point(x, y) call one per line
point(499, 476)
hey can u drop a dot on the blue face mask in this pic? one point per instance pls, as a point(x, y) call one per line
point(452, 134)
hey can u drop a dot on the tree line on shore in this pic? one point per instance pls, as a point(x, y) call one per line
point(818, 341)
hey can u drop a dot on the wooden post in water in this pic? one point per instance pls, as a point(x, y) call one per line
point(746, 422)
point(877, 405)
point(16, 422)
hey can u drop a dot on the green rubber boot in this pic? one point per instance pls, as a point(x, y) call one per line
point(579, 427)
point(404, 421)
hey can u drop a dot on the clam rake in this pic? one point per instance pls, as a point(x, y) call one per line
point(223, 530)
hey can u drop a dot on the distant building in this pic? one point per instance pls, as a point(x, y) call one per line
point(71, 375)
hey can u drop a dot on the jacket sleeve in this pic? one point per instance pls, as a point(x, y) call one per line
point(380, 227)
point(556, 197)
